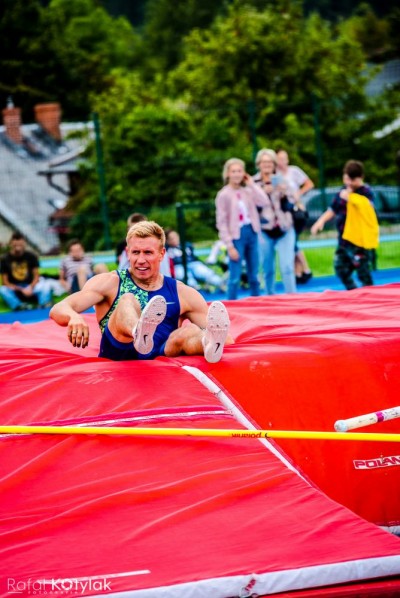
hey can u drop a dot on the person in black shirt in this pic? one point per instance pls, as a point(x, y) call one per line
point(349, 258)
point(20, 275)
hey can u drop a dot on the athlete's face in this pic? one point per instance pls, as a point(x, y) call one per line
point(145, 256)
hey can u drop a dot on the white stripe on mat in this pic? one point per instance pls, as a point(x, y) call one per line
point(274, 582)
point(237, 414)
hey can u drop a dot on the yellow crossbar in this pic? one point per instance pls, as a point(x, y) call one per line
point(205, 432)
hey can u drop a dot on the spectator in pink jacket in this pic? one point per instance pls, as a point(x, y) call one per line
point(238, 224)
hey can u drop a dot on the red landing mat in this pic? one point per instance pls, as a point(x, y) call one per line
point(177, 517)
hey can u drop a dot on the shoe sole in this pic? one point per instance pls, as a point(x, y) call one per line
point(152, 315)
point(216, 332)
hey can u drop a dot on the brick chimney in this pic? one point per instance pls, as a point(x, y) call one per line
point(12, 122)
point(49, 117)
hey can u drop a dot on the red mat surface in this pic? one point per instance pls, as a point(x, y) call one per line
point(191, 517)
point(302, 363)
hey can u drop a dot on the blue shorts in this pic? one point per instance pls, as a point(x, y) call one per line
point(110, 348)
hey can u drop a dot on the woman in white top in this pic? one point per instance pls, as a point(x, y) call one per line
point(238, 224)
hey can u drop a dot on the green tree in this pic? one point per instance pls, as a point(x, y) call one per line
point(62, 52)
point(279, 60)
point(394, 27)
point(372, 32)
point(336, 10)
point(19, 26)
point(167, 24)
point(200, 84)
point(84, 45)
point(156, 151)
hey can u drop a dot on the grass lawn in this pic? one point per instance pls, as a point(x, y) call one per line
point(321, 258)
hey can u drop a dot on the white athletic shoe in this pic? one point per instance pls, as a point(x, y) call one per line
point(152, 315)
point(216, 332)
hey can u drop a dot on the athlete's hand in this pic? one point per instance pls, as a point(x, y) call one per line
point(78, 331)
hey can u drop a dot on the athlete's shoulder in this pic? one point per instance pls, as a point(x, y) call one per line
point(104, 281)
point(184, 289)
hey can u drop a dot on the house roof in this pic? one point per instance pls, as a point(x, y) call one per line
point(387, 77)
point(26, 199)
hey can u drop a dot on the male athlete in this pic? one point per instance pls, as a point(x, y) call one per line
point(140, 311)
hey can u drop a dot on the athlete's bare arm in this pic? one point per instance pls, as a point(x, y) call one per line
point(97, 291)
point(193, 305)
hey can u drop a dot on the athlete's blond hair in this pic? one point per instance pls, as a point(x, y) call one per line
point(145, 229)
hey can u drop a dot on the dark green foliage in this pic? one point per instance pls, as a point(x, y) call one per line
point(63, 52)
point(167, 24)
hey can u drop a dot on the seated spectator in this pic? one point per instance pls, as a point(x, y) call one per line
point(218, 256)
point(50, 284)
point(122, 256)
point(20, 273)
point(197, 271)
point(77, 267)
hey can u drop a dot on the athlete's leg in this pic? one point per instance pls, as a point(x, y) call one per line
point(186, 340)
point(191, 340)
point(216, 332)
point(152, 315)
point(124, 318)
point(128, 322)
